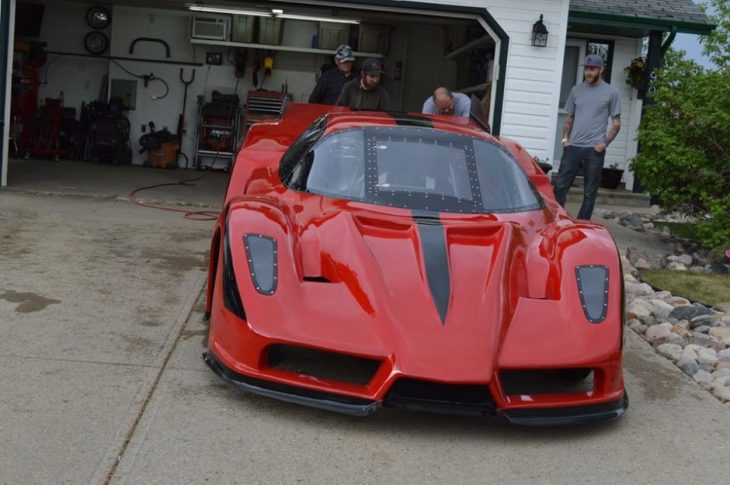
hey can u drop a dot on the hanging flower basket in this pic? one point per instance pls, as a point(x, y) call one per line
point(636, 73)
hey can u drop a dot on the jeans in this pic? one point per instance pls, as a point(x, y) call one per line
point(575, 158)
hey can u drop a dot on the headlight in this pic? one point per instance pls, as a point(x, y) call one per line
point(593, 290)
point(231, 297)
point(262, 262)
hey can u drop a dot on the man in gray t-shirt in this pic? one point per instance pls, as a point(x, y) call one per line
point(589, 106)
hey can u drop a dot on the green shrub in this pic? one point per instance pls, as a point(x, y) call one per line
point(685, 145)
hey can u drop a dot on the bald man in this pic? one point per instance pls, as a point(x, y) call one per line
point(444, 102)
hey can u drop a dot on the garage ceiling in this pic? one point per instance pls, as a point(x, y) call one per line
point(365, 15)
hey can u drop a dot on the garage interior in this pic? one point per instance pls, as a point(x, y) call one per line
point(175, 84)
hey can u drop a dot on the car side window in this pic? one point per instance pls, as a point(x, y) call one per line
point(336, 165)
point(294, 157)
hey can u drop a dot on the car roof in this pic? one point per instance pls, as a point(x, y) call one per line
point(278, 135)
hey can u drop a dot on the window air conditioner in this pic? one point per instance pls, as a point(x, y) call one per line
point(209, 27)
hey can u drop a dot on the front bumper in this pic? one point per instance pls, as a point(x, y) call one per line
point(316, 399)
point(353, 406)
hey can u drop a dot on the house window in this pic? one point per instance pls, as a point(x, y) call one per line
point(603, 48)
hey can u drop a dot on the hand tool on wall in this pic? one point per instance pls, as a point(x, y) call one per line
point(181, 118)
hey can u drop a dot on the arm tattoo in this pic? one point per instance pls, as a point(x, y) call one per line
point(613, 131)
point(567, 126)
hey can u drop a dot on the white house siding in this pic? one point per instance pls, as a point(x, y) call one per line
point(624, 147)
point(533, 74)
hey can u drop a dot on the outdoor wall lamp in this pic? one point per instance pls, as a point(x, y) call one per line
point(539, 34)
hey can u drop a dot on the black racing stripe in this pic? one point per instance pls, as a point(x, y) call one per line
point(433, 245)
point(404, 119)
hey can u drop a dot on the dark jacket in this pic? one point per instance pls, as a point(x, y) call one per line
point(354, 96)
point(329, 86)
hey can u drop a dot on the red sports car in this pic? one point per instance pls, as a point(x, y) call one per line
point(374, 260)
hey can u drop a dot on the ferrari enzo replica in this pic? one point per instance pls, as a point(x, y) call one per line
point(374, 260)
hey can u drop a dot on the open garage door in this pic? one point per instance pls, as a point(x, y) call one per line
point(433, 44)
point(423, 45)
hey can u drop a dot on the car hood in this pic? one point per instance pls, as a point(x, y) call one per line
point(435, 295)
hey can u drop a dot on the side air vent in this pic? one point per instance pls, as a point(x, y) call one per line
point(322, 364)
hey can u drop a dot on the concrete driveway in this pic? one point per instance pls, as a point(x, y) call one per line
point(101, 381)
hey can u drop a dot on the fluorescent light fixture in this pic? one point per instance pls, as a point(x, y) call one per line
point(336, 20)
point(201, 7)
point(277, 11)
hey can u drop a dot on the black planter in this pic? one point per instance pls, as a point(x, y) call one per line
point(611, 178)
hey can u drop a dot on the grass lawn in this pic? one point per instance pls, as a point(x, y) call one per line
point(681, 229)
point(705, 288)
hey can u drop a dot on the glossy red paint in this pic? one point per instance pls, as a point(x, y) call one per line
point(514, 300)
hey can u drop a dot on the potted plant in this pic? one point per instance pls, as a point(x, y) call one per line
point(611, 176)
point(636, 73)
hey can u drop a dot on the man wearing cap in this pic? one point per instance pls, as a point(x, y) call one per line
point(366, 93)
point(590, 104)
point(331, 81)
point(444, 102)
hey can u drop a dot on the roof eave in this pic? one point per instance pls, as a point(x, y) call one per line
point(640, 23)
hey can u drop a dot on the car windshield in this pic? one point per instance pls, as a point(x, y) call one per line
point(415, 168)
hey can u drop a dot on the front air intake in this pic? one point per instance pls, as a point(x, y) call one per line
point(321, 364)
point(437, 397)
point(553, 381)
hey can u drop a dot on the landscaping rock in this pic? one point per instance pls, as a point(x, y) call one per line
point(717, 268)
point(670, 351)
point(688, 312)
point(707, 357)
point(632, 221)
point(722, 307)
point(724, 355)
point(675, 266)
point(684, 259)
point(638, 289)
point(638, 308)
point(721, 373)
point(660, 308)
point(657, 332)
point(638, 327)
point(688, 367)
point(703, 377)
point(681, 331)
point(722, 392)
point(720, 333)
point(705, 320)
point(678, 301)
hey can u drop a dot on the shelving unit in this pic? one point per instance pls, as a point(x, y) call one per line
point(287, 48)
point(209, 128)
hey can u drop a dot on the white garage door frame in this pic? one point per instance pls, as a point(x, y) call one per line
point(478, 14)
point(7, 28)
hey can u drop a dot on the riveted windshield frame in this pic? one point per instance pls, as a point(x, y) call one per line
point(373, 194)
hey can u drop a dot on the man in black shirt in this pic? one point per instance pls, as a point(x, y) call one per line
point(330, 83)
point(366, 93)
